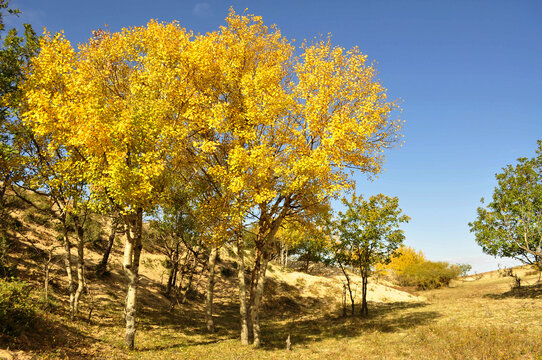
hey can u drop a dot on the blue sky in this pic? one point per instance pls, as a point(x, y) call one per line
point(468, 74)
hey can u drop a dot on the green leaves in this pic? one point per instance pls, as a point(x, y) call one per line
point(511, 224)
point(368, 231)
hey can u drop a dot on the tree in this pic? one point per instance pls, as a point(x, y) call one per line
point(117, 102)
point(511, 224)
point(368, 233)
point(400, 259)
point(276, 135)
point(304, 237)
point(15, 53)
point(191, 216)
point(295, 128)
point(52, 171)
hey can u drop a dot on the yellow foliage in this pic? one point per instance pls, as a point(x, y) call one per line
point(403, 257)
point(270, 130)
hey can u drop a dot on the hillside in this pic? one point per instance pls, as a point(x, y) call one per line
point(476, 317)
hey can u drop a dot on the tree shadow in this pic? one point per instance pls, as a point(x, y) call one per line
point(523, 292)
point(51, 336)
point(382, 318)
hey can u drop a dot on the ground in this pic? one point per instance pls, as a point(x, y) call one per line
point(478, 317)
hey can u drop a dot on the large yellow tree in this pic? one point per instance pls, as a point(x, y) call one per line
point(122, 100)
point(276, 135)
point(289, 130)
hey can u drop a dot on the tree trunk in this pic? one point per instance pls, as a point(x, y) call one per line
point(47, 269)
point(102, 267)
point(282, 255)
point(255, 309)
point(182, 272)
point(254, 279)
point(344, 300)
point(80, 267)
point(348, 287)
point(210, 290)
point(364, 309)
point(255, 275)
point(242, 291)
point(68, 266)
point(191, 271)
point(132, 253)
point(172, 278)
point(46, 282)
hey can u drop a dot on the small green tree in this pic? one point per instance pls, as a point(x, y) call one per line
point(367, 233)
point(511, 224)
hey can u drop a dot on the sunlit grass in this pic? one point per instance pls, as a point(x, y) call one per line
point(482, 319)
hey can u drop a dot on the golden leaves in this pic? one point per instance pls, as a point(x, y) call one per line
point(235, 102)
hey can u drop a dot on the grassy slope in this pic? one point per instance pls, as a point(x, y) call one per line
point(479, 319)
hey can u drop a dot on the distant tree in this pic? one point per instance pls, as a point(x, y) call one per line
point(511, 224)
point(304, 237)
point(464, 268)
point(400, 259)
point(367, 233)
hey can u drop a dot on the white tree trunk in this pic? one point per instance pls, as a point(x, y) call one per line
point(255, 310)
point(242, 291)
point(80, 265)
point(68, 267)
point(132, 253)
point(210, 289)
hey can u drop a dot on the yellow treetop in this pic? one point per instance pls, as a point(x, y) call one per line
point(403, 257)
point(272, 131)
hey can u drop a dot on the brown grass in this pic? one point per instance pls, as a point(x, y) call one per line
point(472, 319)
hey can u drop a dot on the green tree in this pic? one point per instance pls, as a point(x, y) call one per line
point(15, 52)
point(511, 224)
point(367, 233)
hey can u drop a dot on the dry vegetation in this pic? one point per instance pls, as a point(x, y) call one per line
point(476, 318)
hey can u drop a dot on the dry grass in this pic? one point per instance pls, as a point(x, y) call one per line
point(482, 319)
point(479, 318)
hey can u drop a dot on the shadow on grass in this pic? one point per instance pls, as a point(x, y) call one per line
point(47, 335)
point(382, 318)
point(523, 292)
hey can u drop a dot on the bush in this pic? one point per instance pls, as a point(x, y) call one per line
point(16, 308)
point(227, 272)
point(401, 258)
point(35, 217)
point(5, 269)
point(429, 275)
point(94, 234)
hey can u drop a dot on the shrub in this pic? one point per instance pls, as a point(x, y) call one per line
point(226, 271)
point(429, 274)
point(401, 258)
point(510, 272)
point(35, 217)
point(16, 308)
point(94, 234)
point(5, 269)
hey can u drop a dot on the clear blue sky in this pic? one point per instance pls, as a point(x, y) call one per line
point(469, 74)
